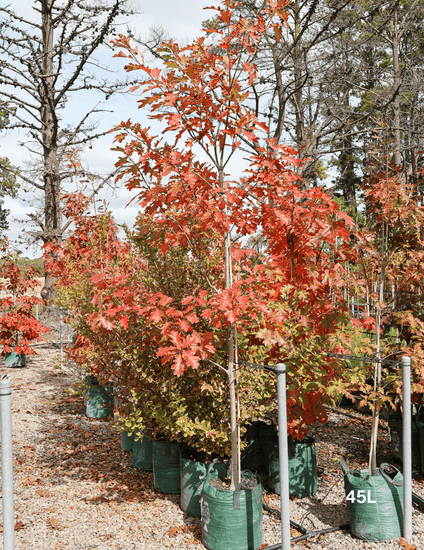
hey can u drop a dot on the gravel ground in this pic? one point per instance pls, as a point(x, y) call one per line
point(75, 488)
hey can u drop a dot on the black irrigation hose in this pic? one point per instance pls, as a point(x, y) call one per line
point(277, 513)
point(306, 532)
point(418, 500)
point(308, 535)
point(314, 533)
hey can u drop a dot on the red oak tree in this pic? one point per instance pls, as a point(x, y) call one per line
point(205, 191)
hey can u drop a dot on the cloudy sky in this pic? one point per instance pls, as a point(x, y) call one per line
point(182, 20)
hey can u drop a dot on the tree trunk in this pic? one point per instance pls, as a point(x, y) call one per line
point(372, 468)
point(235, 471)
point(396, 102)
point(298, 84)
point(52, 214)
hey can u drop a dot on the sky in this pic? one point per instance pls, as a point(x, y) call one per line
point(182, 21)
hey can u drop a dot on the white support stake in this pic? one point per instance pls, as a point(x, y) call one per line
point(7, 463)
point(280, 369)
point(407, 448)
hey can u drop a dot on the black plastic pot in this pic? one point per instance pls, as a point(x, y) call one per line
point(396, 435)
point(254, 457)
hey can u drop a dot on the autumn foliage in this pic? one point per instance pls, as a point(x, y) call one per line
point(167, 314)
point(18, 325)
point(387, 275)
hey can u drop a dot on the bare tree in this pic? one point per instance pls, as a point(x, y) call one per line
point(302, 89)
point(8, 183)
point(43, 62)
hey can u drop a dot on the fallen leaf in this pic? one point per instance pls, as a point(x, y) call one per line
point(54, 524)
point(406, 545)
point(174, 531)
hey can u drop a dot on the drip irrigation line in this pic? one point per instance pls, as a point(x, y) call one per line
point(311, 533)
point(321, 500)
point(418, 500)
point(269, 368)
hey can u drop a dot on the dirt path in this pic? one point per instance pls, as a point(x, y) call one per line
point(75, 488)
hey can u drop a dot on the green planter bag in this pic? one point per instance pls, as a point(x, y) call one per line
point(421, 433)
point(232, 520)
point(396, 434)
point(375, 503)
point(13, 359)
point(254, 456)
point(303, 480)
point(99, 399)
point(127, 442)
point(166, 466)
point(193, 477)
point(142, 457)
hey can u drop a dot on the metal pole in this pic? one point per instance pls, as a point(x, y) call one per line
point(36, 311)
point(7, 463)
point(280, 369)
point(61, 337)
point(407, 448)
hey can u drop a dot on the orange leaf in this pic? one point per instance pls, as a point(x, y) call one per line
point(174, 531)
point(406, 545)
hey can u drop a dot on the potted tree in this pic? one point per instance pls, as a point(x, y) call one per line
point(18, 325)
point(389, 249)
point(271, 310)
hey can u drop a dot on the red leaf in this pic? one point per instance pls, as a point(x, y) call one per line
point(124, 321)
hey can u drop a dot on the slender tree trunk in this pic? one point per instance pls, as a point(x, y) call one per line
point(298, 84)
point(52, 214)
point(396, 103)
point(376, 411)
point(347, 165)
point(235, 472)
point(372, 468)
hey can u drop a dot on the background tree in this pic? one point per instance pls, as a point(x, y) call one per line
point(302, 89)
point(44, 61)
point(8, 183)
point(323, 85)
point(384, 51)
